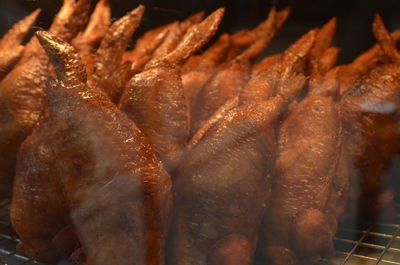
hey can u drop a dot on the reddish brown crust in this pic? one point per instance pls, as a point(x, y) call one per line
point(10, 44)
point(322, 42)
point(212, 215)
point(107, 73)
point(99, 190)
point(370, 117)
point(385, 40)
point(307, 160)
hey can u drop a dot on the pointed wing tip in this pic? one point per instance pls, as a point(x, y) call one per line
point(35, 13)
point(139, 10)
point(377, 17)
point(135, 14)
point(378, 24)
point(49, 42)
point(43, 36)
point(216, 16)
point(333, 21)
point(219, 12)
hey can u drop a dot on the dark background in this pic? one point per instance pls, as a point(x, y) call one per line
point(354, 17)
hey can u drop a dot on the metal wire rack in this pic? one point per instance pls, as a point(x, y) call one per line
point(375, 244)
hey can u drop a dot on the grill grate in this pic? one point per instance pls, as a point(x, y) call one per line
point(375, 244)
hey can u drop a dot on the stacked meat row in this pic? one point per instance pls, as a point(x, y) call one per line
point(166, 155)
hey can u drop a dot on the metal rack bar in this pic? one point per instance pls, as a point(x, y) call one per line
point(377, 244)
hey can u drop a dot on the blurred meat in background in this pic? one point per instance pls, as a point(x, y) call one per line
point(352, 34)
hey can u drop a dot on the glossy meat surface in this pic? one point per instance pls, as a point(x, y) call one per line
point(22, 91)
point(370, 120)
point(218, 208)
point(155, 100)
point(119, 200)
point(37, 187)
point(309, 140)
point(109, 73)
point(10, 44)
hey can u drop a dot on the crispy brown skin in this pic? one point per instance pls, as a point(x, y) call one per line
point(109, 74)
point(37, 187)
point(68, 22)
point(281, 75)
point(308, 156)
point(370, 120)
point(218, 208)
point(245, 38)
point(321, 44)
point(176, 33)
point(10, 44)
point(89, 39)
point(144, 48)
point(22, 91)
point(228, 83)
point(155, 98)
point(326, 85)
point(200, 68)
point(350, 73)
point(21, 104)
point(370, 108)
point(119, 200)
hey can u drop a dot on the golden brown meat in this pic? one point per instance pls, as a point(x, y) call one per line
point(323, 80)
point(175, 35)
point(222, 188)
point(281, 75)
point(370, 127)
point(297, 225)
point(119, 200)
point(221, 112)
point(328, 59)
point(155, 98)
point(88, 40)
point(321, 44)
point(22, 91)
point(350, 73)
point(326, 85)
point(67, 23)
point(10, 44)
point(228, 82)
point(145, 46)
point(200, 68)
point(370, 108)
point(109, 74)
point(243, 39)
point(38, 209)
point(292, 76)
point(21, 104)
point(211, 57)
